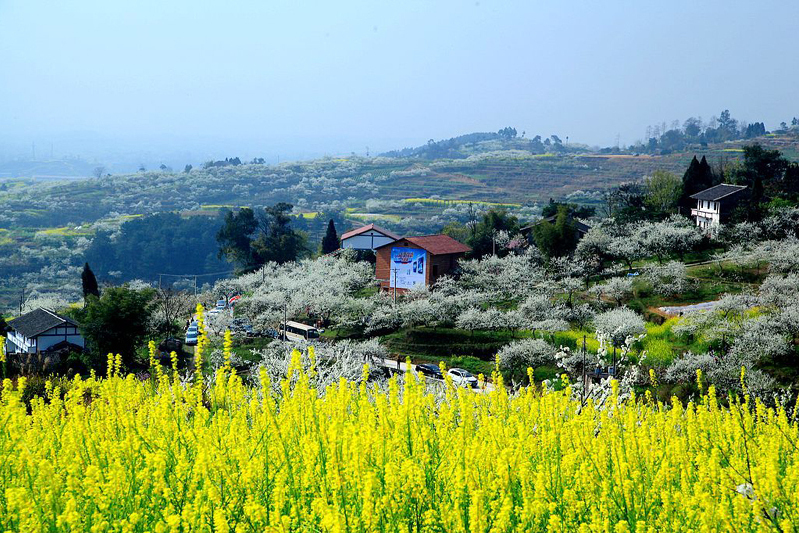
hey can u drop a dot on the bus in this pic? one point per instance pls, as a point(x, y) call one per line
point(295, 331)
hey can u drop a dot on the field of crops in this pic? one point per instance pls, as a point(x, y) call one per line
point(120, 454)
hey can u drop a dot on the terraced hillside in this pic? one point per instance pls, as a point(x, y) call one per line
point(45, 227)
point(496, 176)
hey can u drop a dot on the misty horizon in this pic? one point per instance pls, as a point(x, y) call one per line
point(189, 82)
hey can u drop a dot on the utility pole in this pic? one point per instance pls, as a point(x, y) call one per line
point(159, 282)
point(284, 321)
point(195, 287)
point(494, 235)
point(21, 300)
point(394, 286)
point(614, 361)
point(583, 370)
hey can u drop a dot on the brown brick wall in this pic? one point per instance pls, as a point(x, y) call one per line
point(443, 264)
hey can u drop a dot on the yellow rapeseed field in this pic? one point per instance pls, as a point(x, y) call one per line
point(118, 454)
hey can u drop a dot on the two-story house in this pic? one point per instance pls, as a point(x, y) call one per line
point(42, 330)
point(715, 204)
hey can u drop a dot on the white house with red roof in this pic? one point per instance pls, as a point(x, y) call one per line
point(367, 237)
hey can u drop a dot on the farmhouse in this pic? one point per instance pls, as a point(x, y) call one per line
point(42, 330)
point(412, 261)
point(714, 205)
point(367, 237)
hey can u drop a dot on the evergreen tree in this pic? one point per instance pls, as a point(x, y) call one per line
point(89, 282)
point(277, 240)
point(330, 242)
point(558, 238)
point(706, 176)
point(698, 177)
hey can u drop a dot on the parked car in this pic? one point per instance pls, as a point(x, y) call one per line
point(463, 378)
point(428, 370)
point(221, 304)
point(191, 337)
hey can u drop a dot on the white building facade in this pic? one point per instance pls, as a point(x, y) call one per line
point(715, 204)
point(42, 330)
point(367, 237)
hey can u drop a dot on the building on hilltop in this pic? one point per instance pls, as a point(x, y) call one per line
point(42, 330)
point(367, 237)
point(715, 204)
point(411, 261)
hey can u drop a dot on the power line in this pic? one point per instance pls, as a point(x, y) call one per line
point(197, 275)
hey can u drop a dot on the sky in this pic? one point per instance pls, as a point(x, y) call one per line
point(293, 79)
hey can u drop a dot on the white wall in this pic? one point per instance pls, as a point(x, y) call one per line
point(51, 337)
point(366, 241)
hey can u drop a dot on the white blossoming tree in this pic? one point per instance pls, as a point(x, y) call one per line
point(619, 324)
point(669, 278)
point(515, 358)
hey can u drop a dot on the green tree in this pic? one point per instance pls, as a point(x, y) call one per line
point(277, 241)
point(89, 282)
point(235, 238)
point(457, 230)
point(557, 238)
point(768, 175)
point(577, 211)
point(484, 232)
point(663, 191)
point(626, 203)
point(697, 177)
point(117, 322)
point(330, 242)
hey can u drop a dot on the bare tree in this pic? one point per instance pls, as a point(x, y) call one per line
point(172, 307)
point(99, 171)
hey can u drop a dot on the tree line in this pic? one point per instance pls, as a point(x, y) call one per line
point(663, 139)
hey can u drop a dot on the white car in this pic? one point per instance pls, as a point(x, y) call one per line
point(463, 378)
point(191, 337)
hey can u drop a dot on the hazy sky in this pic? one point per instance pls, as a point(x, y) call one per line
point(303, 78)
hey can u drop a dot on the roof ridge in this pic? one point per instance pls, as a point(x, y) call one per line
point(51, 312)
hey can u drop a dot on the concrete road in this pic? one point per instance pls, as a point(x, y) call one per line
point(392, 364)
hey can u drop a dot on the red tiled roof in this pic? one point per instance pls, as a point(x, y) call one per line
point(362, 229)
point(437, 244)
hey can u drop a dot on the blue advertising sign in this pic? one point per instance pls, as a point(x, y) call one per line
point(407, 268)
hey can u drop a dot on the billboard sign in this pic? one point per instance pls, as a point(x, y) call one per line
point(407, 268)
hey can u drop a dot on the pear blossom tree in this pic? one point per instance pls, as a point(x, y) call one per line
point(331, 363)
point(619, 324)
point(674, 236)
point(628, 371)
point(515, 358)
point(669, 278)
point(618, 289)
point(539, 312)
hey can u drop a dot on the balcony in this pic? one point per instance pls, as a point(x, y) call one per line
point(705, 212)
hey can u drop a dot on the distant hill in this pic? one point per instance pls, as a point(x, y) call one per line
point(50, 169)
point(464, 146)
